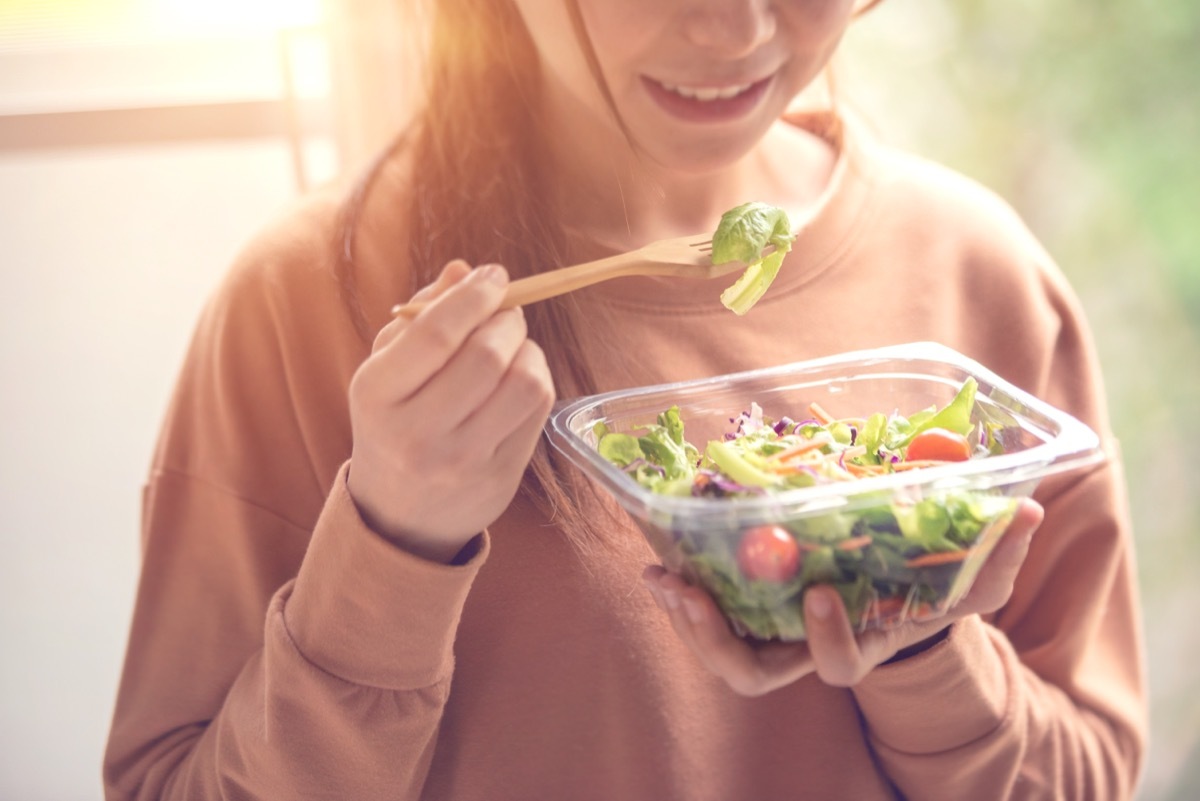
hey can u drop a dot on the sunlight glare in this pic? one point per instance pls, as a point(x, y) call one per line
point(246, 15)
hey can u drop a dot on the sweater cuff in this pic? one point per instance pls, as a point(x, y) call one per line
point(368, 611)
point(940, 699)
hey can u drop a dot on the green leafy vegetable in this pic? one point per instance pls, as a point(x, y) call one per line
point(660, 459)
point(742, 235)
point(737, 467)
point(954, 416)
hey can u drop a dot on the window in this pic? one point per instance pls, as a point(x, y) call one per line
point(87, 73)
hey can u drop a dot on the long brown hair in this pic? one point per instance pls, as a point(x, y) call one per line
point(478, 191)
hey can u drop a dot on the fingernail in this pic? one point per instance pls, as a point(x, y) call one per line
point(671, 598)
point(693, 610)
point(818, 605)
point(493, 274)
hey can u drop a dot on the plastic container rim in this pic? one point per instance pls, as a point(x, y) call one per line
point(1075, 445)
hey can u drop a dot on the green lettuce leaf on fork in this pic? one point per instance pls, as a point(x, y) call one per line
point(742, 235)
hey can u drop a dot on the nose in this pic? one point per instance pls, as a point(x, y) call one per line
point(732, 27)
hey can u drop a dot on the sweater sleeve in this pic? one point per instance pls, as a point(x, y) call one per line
point(279, 648)
point(339, 694)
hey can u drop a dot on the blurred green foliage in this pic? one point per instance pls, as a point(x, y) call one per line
point(1086, 117)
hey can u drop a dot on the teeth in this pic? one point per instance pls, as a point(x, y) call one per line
point(707, 93)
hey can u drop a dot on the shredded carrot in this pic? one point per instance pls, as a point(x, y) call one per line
point(883, 608)
point(863, 470)
point(855, 542)
point(895, 609)
point(940, 558)
point(791, 468)
point(801, 449)
point(820, 414)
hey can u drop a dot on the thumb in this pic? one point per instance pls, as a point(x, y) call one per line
point(994, 584)
point(454, 271)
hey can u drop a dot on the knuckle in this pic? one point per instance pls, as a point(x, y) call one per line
point(533, 381)
point(438, 337)
point(490, 356)
point(451, 466)
point(537, 354)
point(541, 396)
point(538, 369)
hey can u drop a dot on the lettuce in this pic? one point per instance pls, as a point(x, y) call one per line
point(742, 235)
point(660, 459)
point(954, 416)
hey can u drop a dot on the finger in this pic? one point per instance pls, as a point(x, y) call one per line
point(512, 454)
point(454, 271)
point(831, 639)
point(993, 586)
point(475, 372)
point(435, 335)
point(749, 670)
point(694, 620)
point(519, 406)
point(668, 590)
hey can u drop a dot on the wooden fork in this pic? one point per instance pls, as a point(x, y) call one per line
point(687, 257)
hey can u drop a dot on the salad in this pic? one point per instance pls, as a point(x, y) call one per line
point(759, 235)
point(905, 555)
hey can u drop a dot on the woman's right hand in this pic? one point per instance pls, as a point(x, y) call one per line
point(445, 414)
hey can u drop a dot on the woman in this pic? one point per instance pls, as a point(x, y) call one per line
point(365, 576)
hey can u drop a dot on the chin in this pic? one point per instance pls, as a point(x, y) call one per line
point(700, 158)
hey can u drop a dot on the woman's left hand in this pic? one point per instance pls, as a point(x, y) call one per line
point(833, 650)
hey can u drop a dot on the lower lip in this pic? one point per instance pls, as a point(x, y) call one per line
point(719, 110)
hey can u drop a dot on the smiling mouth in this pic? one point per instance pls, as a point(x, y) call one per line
point(708, 93)
point(708, 104)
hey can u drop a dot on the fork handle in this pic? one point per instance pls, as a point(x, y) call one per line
point(540, 286)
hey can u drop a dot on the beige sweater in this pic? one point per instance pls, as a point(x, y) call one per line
point(282, 650)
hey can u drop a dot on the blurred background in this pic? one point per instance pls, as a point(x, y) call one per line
point(143, 141)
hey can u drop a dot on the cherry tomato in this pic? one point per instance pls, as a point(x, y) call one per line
point(768, 553)
point(939, 444)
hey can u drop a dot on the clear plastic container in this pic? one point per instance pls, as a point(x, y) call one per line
point(699, 536)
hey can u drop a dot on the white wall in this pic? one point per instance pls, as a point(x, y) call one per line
point(105, 259)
